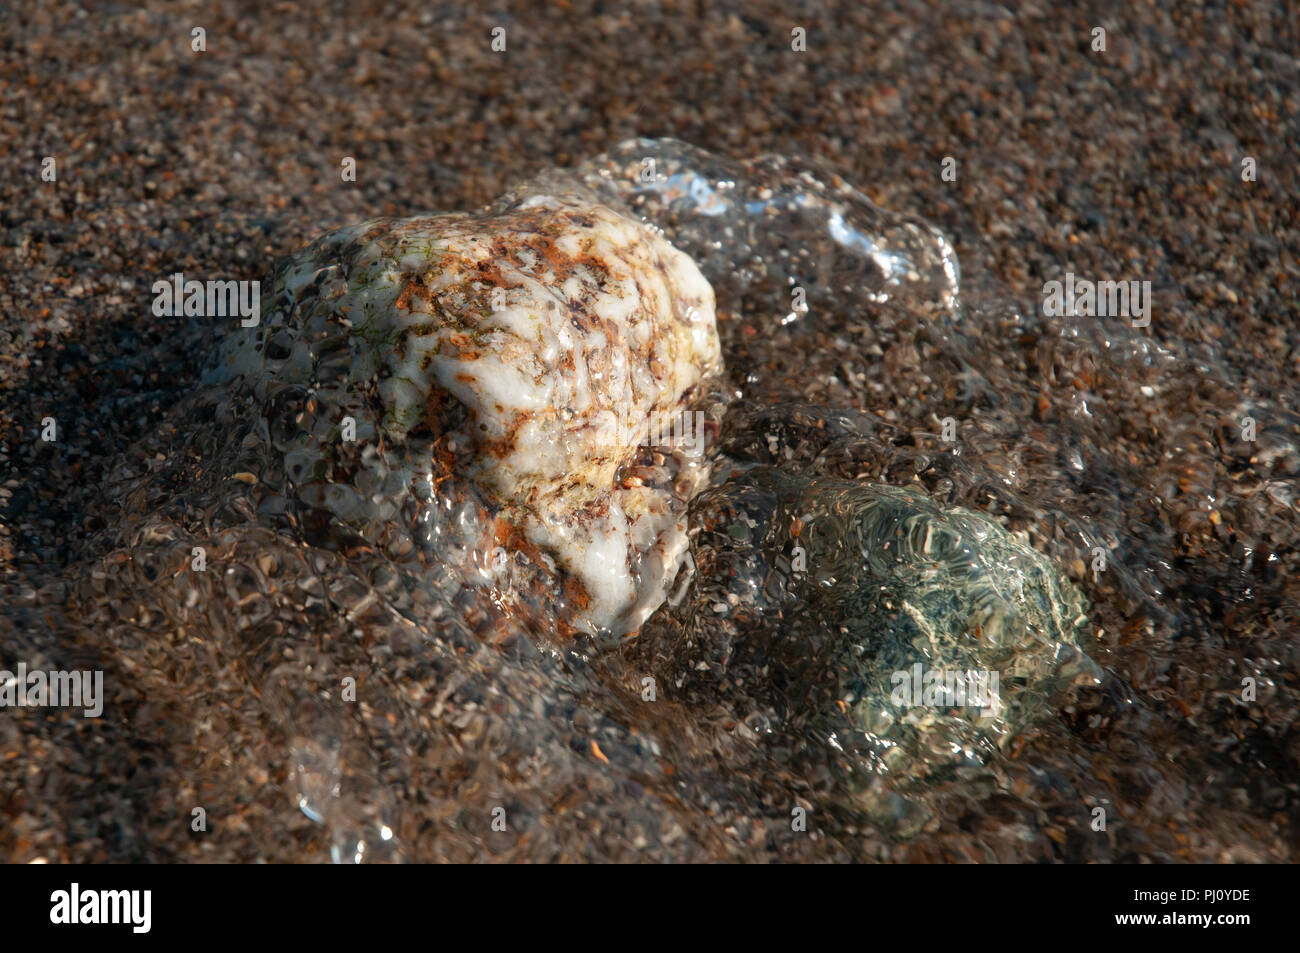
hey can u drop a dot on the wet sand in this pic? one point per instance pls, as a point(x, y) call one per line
point(1116, 164)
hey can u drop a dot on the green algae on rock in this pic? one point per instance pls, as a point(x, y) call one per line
point(875, 585)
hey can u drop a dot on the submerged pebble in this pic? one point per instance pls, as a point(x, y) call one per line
point(535, 349)
point(935, 632)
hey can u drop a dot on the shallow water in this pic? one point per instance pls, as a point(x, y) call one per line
point(867, 392)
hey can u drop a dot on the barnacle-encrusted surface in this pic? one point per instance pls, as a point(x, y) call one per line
point(530, 349)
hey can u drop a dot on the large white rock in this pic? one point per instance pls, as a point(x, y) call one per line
point(541, 341)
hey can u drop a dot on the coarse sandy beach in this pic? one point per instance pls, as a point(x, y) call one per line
point(1117, 164)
